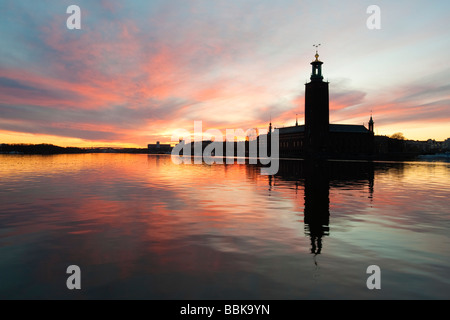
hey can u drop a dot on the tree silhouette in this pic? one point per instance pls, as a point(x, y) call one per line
point(398, 136)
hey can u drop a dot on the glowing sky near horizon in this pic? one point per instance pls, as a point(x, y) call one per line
point(139, 70)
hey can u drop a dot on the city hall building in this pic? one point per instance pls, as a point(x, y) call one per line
point(317, 137)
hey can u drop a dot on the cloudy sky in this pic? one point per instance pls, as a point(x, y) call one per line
point(139, 70)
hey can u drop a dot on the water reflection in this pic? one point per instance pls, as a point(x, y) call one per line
point(317, 204)
point(142, 227)
point(317, 177)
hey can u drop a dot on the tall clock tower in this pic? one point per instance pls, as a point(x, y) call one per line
point(317, 118)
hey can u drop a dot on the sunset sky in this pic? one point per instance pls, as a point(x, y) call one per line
point(138, 70)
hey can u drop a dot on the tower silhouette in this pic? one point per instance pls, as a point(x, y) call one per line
point(371, 123)
point(316, 111)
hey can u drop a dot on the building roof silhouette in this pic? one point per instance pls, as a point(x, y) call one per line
point(345, 128)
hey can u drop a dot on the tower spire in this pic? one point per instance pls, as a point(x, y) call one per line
point(270, 124)
point(317, 54)
point(316, 66)
point(371, 122)
point(296, 122)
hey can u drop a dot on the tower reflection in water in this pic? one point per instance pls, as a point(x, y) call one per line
point(318, 177)
point(317, 204)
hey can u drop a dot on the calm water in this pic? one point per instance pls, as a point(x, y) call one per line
point(140, 226)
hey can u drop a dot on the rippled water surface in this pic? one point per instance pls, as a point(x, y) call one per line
point(140, 226)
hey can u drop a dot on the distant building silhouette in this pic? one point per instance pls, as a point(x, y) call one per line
point(159, 148)
point(317, 137)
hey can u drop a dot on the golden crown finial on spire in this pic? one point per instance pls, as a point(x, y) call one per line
point(317, 54)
